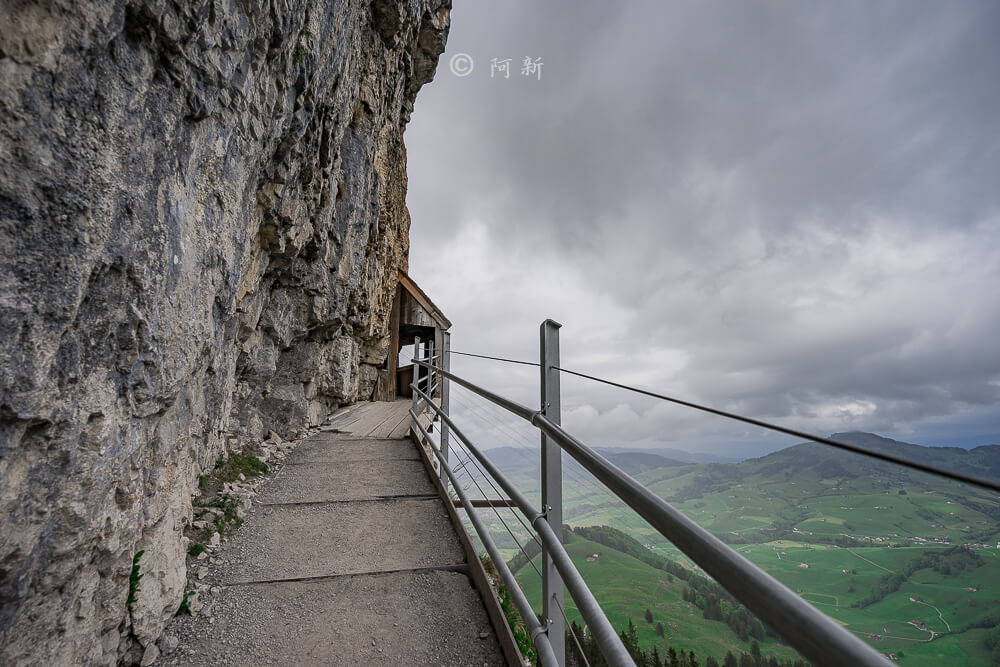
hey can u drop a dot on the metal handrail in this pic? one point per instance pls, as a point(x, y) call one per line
point(813, 634)
point(600, 627)
point(425, 359)
point(427, 398)
point(535, 629)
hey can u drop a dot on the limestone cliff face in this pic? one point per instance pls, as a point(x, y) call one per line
point(201, 218)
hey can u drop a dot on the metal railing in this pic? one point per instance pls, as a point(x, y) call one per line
point(816, 636)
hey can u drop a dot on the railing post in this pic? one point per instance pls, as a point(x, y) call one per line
point(553, 593)
point(429, 387)
point(430, 377)
point(416, 372)
point(445, 401)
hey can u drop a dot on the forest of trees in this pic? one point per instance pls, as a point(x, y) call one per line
point(993, 644)
point(714, 601)
point(591, 653)
point(743, 624)
point(945, 562)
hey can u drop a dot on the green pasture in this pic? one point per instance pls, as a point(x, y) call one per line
point(748, 506)
point(626, 587)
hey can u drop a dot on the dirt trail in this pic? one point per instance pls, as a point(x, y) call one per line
point(940, 615)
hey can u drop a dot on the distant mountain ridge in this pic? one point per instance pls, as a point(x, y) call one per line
point(521, 461)
point(679, 455)
point(666, 456)
point(825, 461)
point(831, 462)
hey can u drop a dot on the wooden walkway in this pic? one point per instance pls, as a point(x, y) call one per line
point(347, 558)
point(374, 420)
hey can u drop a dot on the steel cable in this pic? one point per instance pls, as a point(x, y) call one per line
point(890, 458)
point(499, 493)
point(509, 531)
point(509, 361)
point(579, 477)
point(576, 640)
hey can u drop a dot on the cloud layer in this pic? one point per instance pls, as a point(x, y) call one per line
point(783, 210)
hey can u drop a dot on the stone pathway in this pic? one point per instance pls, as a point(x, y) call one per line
point(347, 558)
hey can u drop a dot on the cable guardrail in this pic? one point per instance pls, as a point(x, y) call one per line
point(816, 636)
point(520, 446)
point(509, 361)
point(497, 512)
point(601, 629)
point(889, 458)
point(534, 627)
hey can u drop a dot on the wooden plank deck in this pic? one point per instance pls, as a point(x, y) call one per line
point(375, 419)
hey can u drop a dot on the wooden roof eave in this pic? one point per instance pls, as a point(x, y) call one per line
point(425, 301)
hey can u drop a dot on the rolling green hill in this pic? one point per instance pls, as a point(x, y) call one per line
point(626, 587)
point(907, 560)
point(819, 494)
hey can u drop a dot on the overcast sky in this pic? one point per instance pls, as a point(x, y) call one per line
point(788, 210)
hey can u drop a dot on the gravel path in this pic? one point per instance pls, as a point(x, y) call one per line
point(432, 618)
point(346, 558)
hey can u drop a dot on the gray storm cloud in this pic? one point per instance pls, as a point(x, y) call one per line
point(788, 210)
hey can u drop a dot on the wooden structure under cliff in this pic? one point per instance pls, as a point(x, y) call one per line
point(414, 316)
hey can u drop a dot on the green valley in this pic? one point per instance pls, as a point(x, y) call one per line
point(906, 560)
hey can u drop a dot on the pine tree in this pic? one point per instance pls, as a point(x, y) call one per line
point(649, 616)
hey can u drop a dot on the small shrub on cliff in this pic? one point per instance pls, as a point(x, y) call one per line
point(228, 521)
point(513, 616)
point(250, 466)
point(185, 607)
point(210, 486)
point(239, 464)
point(229, 470)
point(133, 579)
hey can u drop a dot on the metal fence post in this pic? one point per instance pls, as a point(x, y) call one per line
point(416, 372)
point(429, 387)
point(553, 593)
point(445, 400)
point(430, 378)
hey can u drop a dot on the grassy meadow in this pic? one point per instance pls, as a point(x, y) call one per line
point(883, 551)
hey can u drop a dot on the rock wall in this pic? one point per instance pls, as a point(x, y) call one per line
point(201, 218)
